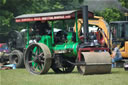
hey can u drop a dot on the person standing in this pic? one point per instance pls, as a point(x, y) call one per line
point(116, 55)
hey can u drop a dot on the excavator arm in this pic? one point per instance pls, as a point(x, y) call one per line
point(99, 22)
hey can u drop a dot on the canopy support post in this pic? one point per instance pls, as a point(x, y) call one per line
point(52, 32)
point(77, 38)
point(28, 34)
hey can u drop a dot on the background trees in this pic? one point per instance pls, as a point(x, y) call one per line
point(111, 14)
point(124, 3)
point(11, 8)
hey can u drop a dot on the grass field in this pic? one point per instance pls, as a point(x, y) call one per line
point(22, 77)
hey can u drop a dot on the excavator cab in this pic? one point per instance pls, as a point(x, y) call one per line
point(119, 31)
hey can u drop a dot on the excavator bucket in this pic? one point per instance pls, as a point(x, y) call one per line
point(95, 63)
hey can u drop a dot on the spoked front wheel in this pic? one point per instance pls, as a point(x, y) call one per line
point(37, 58)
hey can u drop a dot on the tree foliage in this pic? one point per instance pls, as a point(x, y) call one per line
point(110, 14)
point(124, 3)
point(2, 1)
point(11, 8)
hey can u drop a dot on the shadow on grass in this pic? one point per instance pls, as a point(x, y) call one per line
point(115, 72)
point(53, 73)
point(77, 73)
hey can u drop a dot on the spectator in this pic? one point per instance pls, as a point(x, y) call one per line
point(116, 55)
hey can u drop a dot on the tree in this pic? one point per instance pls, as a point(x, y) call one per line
point(110, 14)
point(11, 8)
point(124, 3)
point(3, 2)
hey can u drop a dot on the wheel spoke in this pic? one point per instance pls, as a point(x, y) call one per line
point(35, 66)
point(42, 61)
point(41, 54)
point(30, 62)
point(33, 55)
point(39, 66)
point(38, 51)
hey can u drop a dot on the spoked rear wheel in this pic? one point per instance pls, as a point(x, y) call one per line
point(37, 58)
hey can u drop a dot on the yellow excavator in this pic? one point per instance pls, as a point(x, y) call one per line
point(107, 35)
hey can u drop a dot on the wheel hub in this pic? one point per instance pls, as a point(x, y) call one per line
point(36, 59)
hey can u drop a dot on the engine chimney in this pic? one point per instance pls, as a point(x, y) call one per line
point(85, 22)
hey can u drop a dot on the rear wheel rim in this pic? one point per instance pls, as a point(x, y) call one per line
point(36, 62)
point(35, 59)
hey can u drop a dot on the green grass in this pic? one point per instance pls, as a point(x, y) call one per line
point(22, 77)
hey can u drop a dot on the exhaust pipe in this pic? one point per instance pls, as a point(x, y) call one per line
point(85, 22)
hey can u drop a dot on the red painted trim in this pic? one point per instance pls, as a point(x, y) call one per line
point(59, 17)
point(43, 18)
point(89, 49)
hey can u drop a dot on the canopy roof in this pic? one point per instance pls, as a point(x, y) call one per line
point(51, 16)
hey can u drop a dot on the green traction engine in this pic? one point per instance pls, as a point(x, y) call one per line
point(63, 50)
